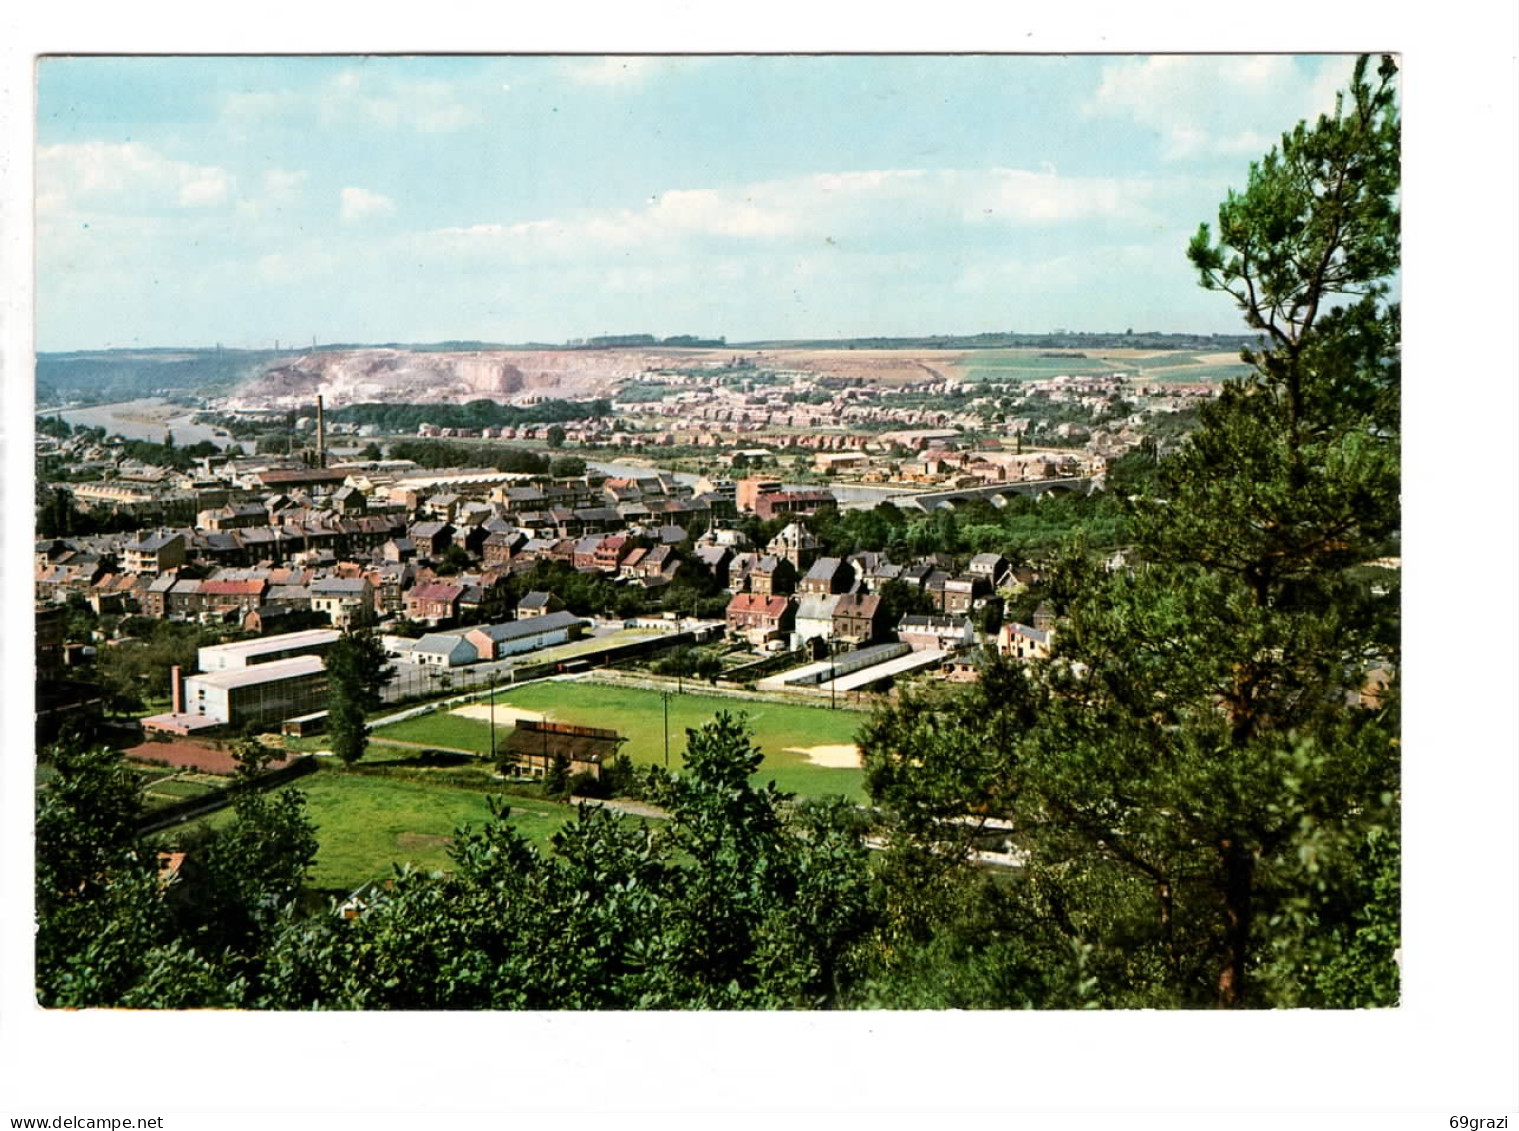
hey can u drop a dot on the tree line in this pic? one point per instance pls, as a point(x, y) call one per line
point(392, 418)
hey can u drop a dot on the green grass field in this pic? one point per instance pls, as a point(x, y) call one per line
point(639, 716)
point(365, 824)
point(446, 730)
point(1217, 372)
point(992, 365)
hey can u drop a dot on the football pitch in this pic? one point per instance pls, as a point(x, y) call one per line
point(782, 731)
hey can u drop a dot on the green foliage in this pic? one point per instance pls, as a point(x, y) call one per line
point(446, 453)
point(356, 669)
point(1205, 818)
point(112, 930)
point(739, 901)
point(135, 670)
point(100, 377)
point(556, 780)
point(393, 418)
point(679, 661)
point(1024, 528)
point(246, 873)
point(584, 594)
point(709, 667)
point(455, 560)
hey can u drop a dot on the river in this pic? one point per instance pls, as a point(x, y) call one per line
point(145, 419)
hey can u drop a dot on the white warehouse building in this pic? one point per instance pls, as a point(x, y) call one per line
point(263, 693)
point(266, 649)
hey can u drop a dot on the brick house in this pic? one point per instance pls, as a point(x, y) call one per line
point(772, 576)
point(500, 547)
point(858, 618)
point(796, 544)
point(537, 604)
point(827, 575)
point(609, 553)
point(433, 602)
point(432, 538)
point(758, 617)
point(224, 596)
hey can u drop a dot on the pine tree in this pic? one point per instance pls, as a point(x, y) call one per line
point(1206, 817)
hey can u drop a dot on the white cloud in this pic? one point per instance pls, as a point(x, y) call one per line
point(611, 70)
point(879, 209)
point(205, 188)
point(283, 184)
point(359, 204)
point(372, 96)
point(281, 188)
point(124, 178)
point(379, 100)
point(1214, 105)
point(1018, 196)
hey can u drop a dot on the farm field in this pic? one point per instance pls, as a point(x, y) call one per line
point(1200, 372)
point(639, 716)
point(365, 824)
point(1027, 365)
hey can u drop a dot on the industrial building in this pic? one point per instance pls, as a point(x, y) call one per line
point(263, 681)
point(266, 649)
point(264, 693)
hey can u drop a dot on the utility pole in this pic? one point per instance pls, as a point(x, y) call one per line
point(493, 716)
point(665, 698)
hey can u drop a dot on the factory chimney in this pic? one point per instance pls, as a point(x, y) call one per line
point(321, 435)
point(176, 690)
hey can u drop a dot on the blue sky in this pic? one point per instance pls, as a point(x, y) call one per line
point(188, 201)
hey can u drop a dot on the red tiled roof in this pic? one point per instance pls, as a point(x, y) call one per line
point(757, 602)
point(445, 593)
point(232, 588)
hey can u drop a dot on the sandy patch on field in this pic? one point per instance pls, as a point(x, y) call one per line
point(504, 714)
point(838, 757)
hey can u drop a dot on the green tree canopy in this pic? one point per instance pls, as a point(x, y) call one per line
point(356, 670)
point(1203, 793)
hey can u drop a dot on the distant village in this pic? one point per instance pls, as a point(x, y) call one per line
point(286, 550)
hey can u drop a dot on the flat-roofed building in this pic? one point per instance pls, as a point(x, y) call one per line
point(265, 693)
point(265, 650)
